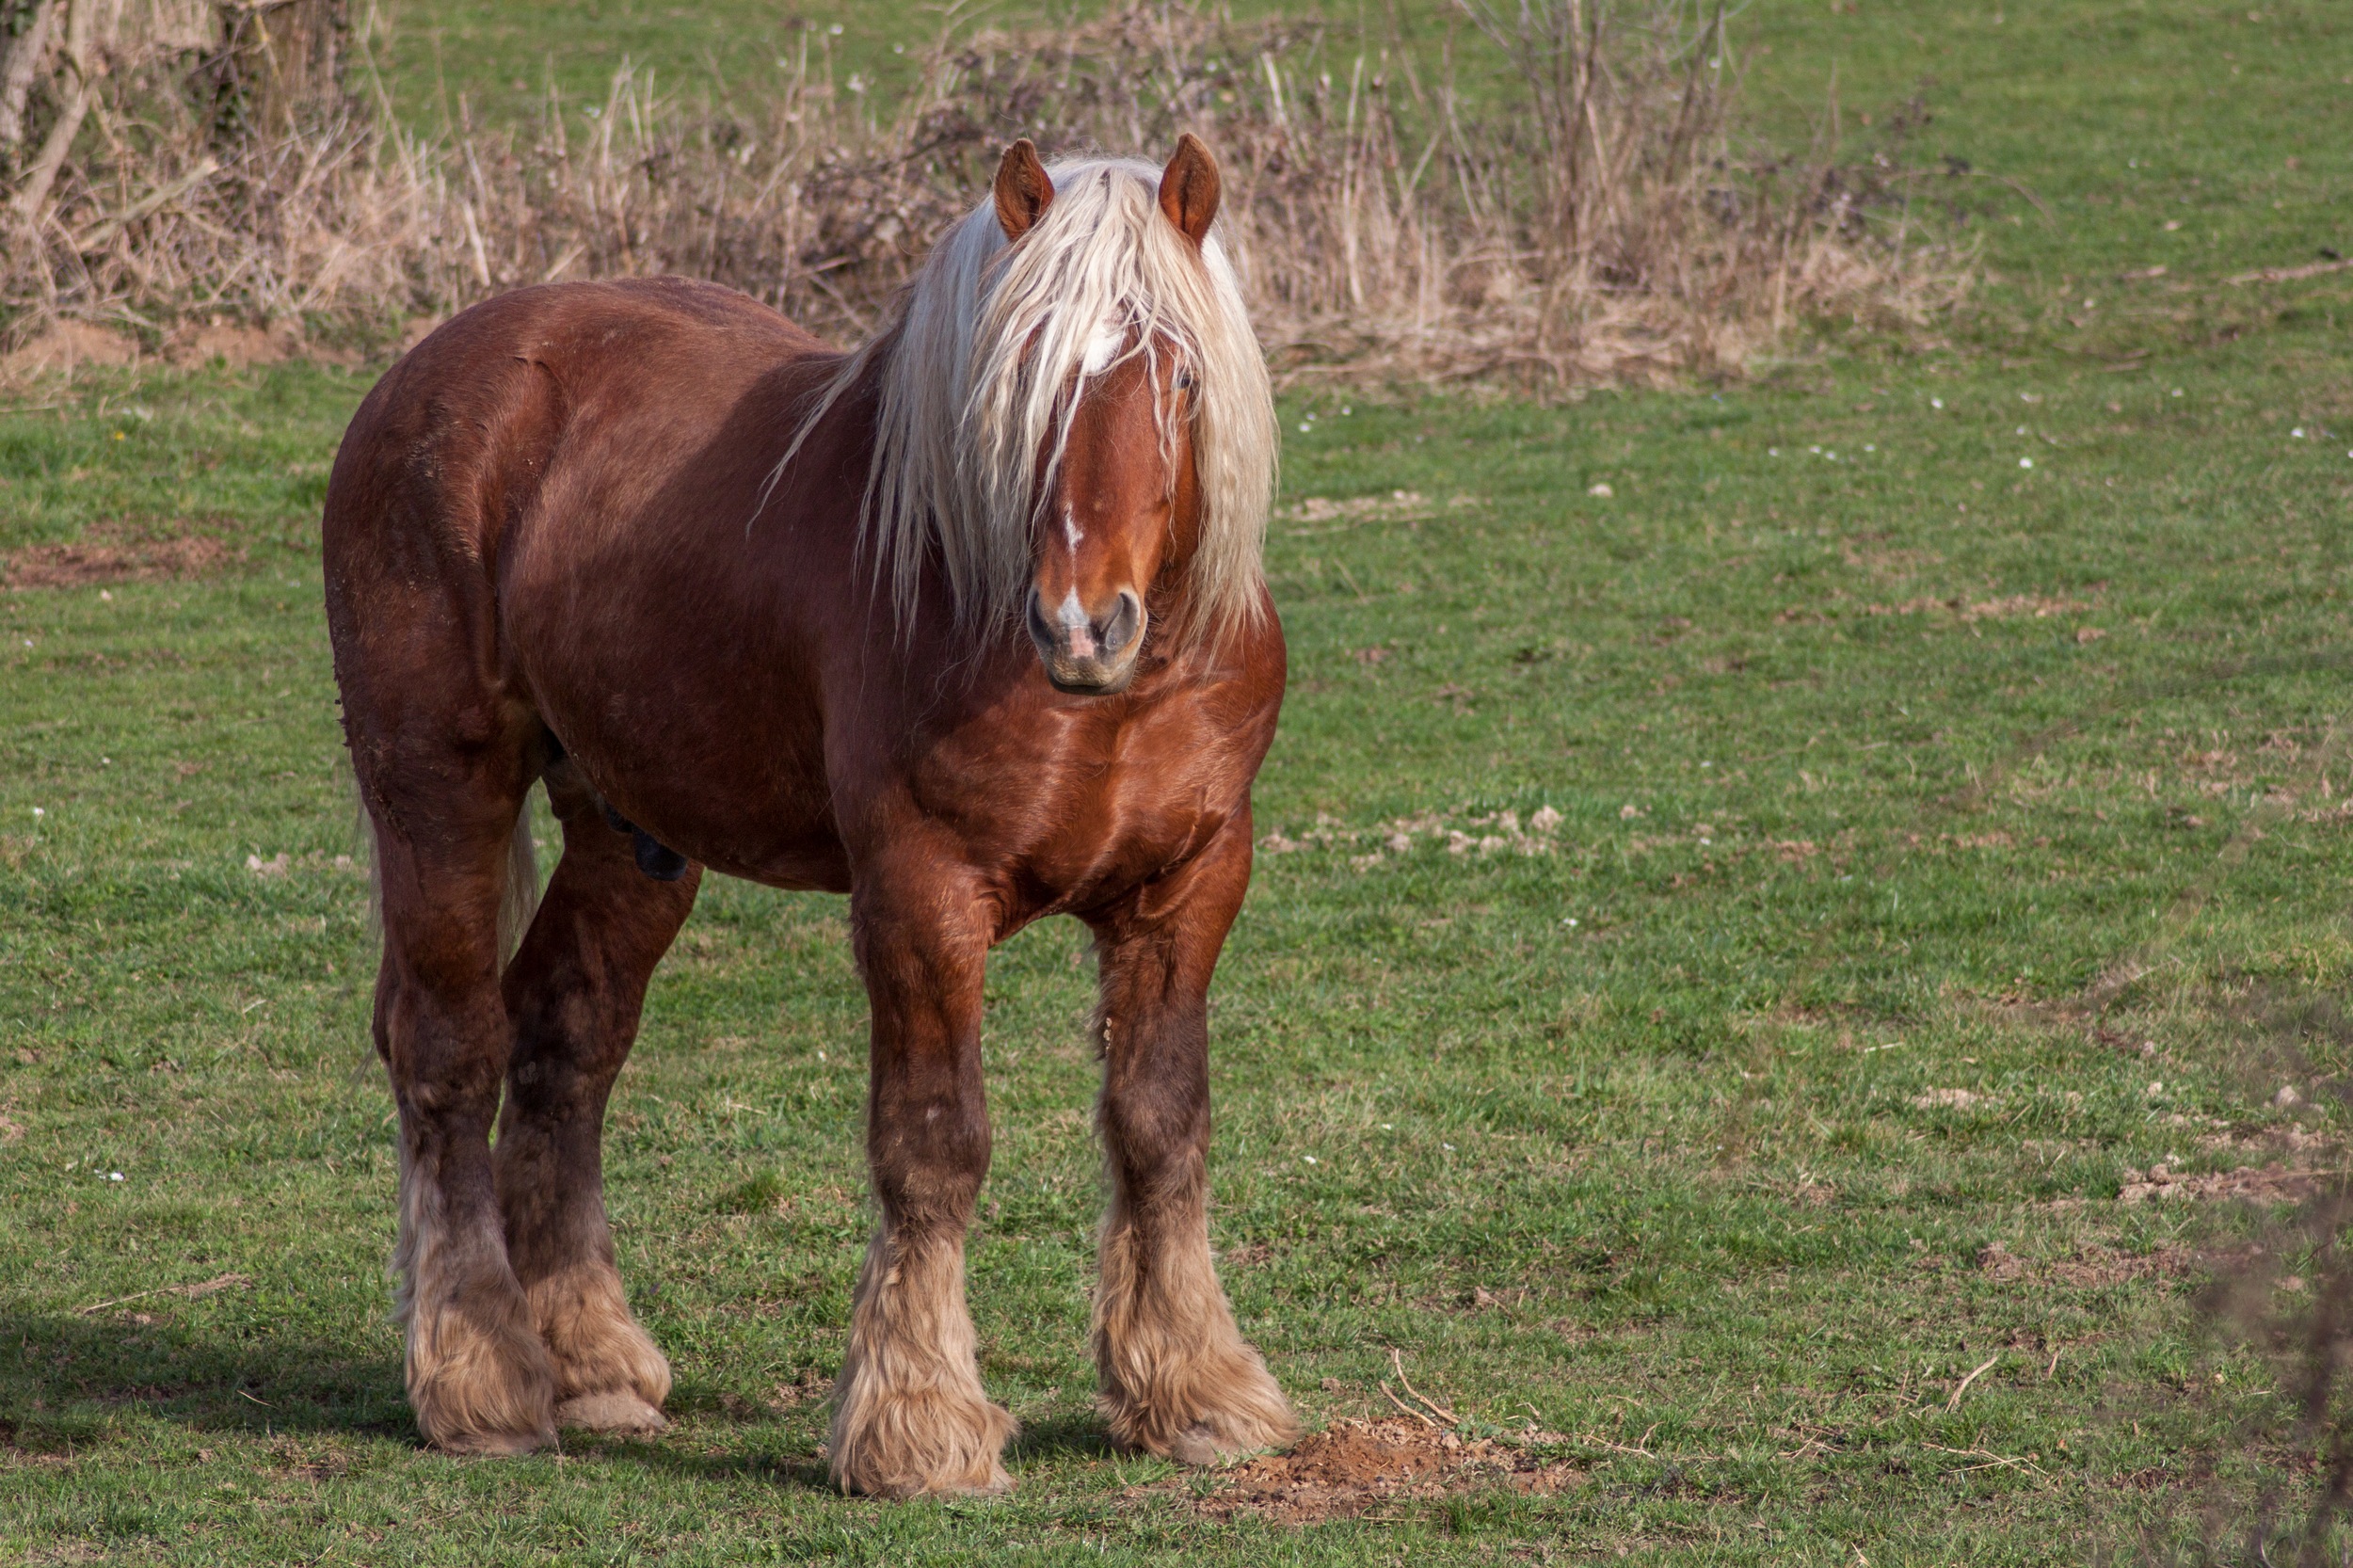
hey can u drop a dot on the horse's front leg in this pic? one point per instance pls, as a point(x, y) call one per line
point(909, 1416)
point(1176, 1376)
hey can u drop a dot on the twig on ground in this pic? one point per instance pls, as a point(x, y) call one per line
point(196, 1291)
point(1962, 1387)
point(1642, 1449)
point(1991, 1458)
point(1408, 1409)
point(1397, 1360)
point(2288, 274)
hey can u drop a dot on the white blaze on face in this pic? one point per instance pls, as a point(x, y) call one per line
point(1103, 348)
point(1110, 337)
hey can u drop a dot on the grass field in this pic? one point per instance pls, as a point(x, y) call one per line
point(1942, 842)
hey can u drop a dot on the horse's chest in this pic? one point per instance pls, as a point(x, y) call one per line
point(1090, 810)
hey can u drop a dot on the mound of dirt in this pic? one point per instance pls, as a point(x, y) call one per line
point(1353, 1466)
point(108, 555)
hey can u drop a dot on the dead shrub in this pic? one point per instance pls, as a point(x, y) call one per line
point(1597, 218)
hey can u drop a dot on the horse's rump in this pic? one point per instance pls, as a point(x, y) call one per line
point(572, 475)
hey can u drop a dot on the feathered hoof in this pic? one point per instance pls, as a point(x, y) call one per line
point(1212, 1413)
point(482, 1387)
point(605, 1362)
point(935, 1443)
point(494, 1444)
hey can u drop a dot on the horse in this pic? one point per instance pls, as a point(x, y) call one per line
point(970, 624)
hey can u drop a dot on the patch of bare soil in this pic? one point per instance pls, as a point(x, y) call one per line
point(1353, 1467)
point(110, 555)
point(235, 344)
point(2040, 606)
point(2275, 1182)
point(1956, 607)
point(68, 345)
point(2092, 1265)
point(809, 1388)
point(2289, 1141)
point(1396, 506)
point(316, 1461)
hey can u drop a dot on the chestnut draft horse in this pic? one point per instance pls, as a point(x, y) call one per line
point(969, 625)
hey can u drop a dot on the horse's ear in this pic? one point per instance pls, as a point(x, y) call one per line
point(1189, 188)
point(1023, 191)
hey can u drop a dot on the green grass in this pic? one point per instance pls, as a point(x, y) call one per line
point(1659, 1180)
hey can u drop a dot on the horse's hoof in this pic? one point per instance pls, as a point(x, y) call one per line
point(1194, 1446)
point(494, 1444)
point(616, 1410)
point(998, 1486)
point(995, 1485)
point(1225, 1405)
point(930, 1444)
point(479, 1378)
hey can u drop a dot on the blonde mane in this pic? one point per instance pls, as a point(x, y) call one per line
point(986, 358)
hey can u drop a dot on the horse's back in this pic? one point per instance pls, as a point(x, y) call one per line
point(456, 438)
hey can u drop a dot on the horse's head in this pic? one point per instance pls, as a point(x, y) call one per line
point(1073, 424)
point(1122, 499)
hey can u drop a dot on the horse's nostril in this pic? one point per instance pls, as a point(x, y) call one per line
point(1120, 629)
point(1041, 630)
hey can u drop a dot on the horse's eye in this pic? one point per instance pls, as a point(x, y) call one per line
point(1183, 381)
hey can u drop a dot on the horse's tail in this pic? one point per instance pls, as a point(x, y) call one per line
point(518, 900)
point(363, 838)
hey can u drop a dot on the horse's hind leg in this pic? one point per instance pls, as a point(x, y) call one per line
point(1175, 1377)
point(574, 992)
point(479, 1378)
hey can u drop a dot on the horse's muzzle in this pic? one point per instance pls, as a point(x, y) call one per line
point(1088, 654)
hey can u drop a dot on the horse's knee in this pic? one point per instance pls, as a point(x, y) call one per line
point(932, 1182)
point(928, 1144)
point(1154, 1133)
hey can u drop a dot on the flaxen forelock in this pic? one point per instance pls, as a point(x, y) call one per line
point(987, 357)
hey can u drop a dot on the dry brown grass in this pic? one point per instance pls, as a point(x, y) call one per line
point(1599, 218)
